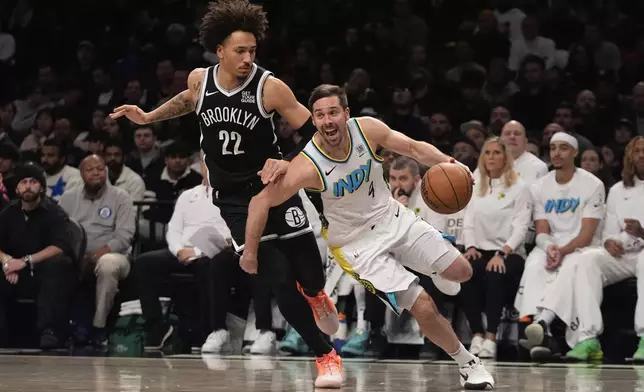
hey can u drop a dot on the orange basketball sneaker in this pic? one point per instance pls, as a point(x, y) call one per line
point(326, 315)
point(329, 371)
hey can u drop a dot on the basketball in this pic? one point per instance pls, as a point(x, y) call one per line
point(447, 188)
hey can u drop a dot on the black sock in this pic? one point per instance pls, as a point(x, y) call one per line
point(309, 293)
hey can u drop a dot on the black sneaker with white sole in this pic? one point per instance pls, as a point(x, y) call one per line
point(157, 337)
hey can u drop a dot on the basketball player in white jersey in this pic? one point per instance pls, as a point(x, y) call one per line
point(372, 236)
point(576, 299)
point(568, 207)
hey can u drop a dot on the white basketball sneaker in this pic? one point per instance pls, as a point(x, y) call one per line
point(474, 376)
point(446, 286)
point(218, 342)
point(475, 346)
point(488, 350)
point(265, 344)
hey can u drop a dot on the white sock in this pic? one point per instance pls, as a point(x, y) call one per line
point(462, 356)
point(361, 304)
point(547, 316)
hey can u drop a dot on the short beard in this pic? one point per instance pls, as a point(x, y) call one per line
point(29, 197)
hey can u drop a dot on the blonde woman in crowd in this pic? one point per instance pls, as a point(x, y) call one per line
point(496, 221)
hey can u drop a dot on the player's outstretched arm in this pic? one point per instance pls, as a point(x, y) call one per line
point(380, 134)
point(179, 105)
point(300, 174)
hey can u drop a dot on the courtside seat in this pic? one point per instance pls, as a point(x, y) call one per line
point(619, 340)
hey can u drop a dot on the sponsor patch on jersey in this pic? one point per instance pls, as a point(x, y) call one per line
point(295, 217)
point(247, 97)
point(105, 212)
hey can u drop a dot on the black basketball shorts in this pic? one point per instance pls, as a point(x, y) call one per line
point(285, 221)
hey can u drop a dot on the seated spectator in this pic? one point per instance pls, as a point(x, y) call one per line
point(620, 257)
point(405, 181)
point(146, 159)
point(106, 214)
point(593, 162)
point(475, 131)
point(528, 166)
point(534, 148)
point(465, 62)
point(174, 179)
point(531, 44)
point(9, 155)
point(34, 249)
point(465, 151)
point(60, 177)
point(7, 112)
point(4, 198)
point(499, 116)
point(495, 226)
point(564, 117)
point(27, 109)
point(606, 54)
point(96, 144)
point(532, 105)
point(198, 240)
point(41, 131)
point(120, 175)
point(568, 206)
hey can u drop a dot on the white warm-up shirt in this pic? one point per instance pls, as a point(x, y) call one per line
point(565, 205)
point(542, 47)
point(499, 218)
point(193, 212)
point(530, 168)
point(624, 203)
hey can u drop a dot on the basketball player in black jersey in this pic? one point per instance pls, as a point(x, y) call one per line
point(235, 102)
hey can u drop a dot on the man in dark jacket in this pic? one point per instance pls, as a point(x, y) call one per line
point(34, 248)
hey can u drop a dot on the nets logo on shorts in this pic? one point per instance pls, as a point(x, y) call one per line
point(295, 217)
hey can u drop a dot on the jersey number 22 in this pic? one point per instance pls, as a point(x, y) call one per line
point(228, 137)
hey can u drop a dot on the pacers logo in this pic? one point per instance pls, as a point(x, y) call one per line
point(295, 217)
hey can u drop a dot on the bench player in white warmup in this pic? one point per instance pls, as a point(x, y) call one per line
point(577, 298)
point(372, 236)
point(568, 207)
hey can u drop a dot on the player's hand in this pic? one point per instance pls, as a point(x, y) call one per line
point(472, 254)
point(402, 198)
point(452, 160)
point(634, 228)
point(554, 258)
point(273, 169)
point(132, 112)
point(614, 248)
point(496, 264)
point(12, 278)
point(248, 262)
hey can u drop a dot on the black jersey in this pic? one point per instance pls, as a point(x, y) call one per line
point(237, 134)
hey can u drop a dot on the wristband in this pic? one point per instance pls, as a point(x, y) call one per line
point(543, 241)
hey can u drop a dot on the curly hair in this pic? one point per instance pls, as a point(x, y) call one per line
point(628, 173)
point(224, 17)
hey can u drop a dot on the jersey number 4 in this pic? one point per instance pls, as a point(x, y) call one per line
point(227, 138)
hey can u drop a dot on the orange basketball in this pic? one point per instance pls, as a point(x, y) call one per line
point(447, 188)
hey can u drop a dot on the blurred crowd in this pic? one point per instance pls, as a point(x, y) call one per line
point(451, 73)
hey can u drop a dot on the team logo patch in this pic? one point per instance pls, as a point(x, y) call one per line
point(105, 212)
point(295, 217)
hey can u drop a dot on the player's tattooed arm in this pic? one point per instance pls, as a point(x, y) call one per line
point(183, 103)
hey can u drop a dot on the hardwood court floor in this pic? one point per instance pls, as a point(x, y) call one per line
point(194, 373)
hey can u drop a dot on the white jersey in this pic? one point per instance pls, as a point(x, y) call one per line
point(354, 193)
point(565, 205)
